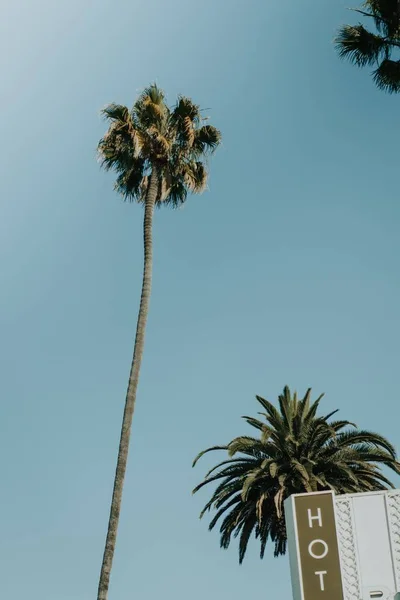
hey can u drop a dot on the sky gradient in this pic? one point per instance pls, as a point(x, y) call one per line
point(285, 272)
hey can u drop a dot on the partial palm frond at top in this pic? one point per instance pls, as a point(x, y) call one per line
point(295, 450)
point(152, 137)
point(380, 48)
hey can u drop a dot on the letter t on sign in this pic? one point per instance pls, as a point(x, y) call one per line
point(317, 517)
point(321, 579)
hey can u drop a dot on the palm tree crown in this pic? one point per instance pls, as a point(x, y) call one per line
point(153, 137)
point(296, 451)
point(366, 48)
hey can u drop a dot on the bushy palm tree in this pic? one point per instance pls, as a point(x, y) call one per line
point(296, 451)
point(159, 155)
point(376, 48)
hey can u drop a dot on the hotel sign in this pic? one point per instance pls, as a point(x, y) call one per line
point(320, 576)
point(344, 547)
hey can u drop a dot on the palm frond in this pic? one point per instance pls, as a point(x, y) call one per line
point(222, 475)
point(200, 454)
point(206, 139)
point(176, 190)
point(117, 113)
point(360, 46)
point(254, 422)
point(273, 416)
point(195, 176)
point(129, 182)
point(185, 108)
point(387, 76)
point(386, 14)
point(235, 500)
point(241, 461)
point(246, 445)
point(150, 109)
point(247, 530)
point(369, 437)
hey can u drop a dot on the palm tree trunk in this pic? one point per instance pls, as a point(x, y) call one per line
point(109, 550)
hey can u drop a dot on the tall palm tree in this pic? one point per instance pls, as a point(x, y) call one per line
point(296, 451)
point(375, 48)
point(159, 156)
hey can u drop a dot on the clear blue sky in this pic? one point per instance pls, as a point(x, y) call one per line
point(285, 272)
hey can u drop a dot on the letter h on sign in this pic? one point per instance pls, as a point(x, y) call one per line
point(317, 517)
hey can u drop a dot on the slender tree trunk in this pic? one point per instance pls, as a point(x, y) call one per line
point(109, 550)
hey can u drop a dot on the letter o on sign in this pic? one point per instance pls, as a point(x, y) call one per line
point(320, 554)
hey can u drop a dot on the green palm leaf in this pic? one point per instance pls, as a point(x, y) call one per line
point(206, 451)
point(387, 76)
point(360, 46)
